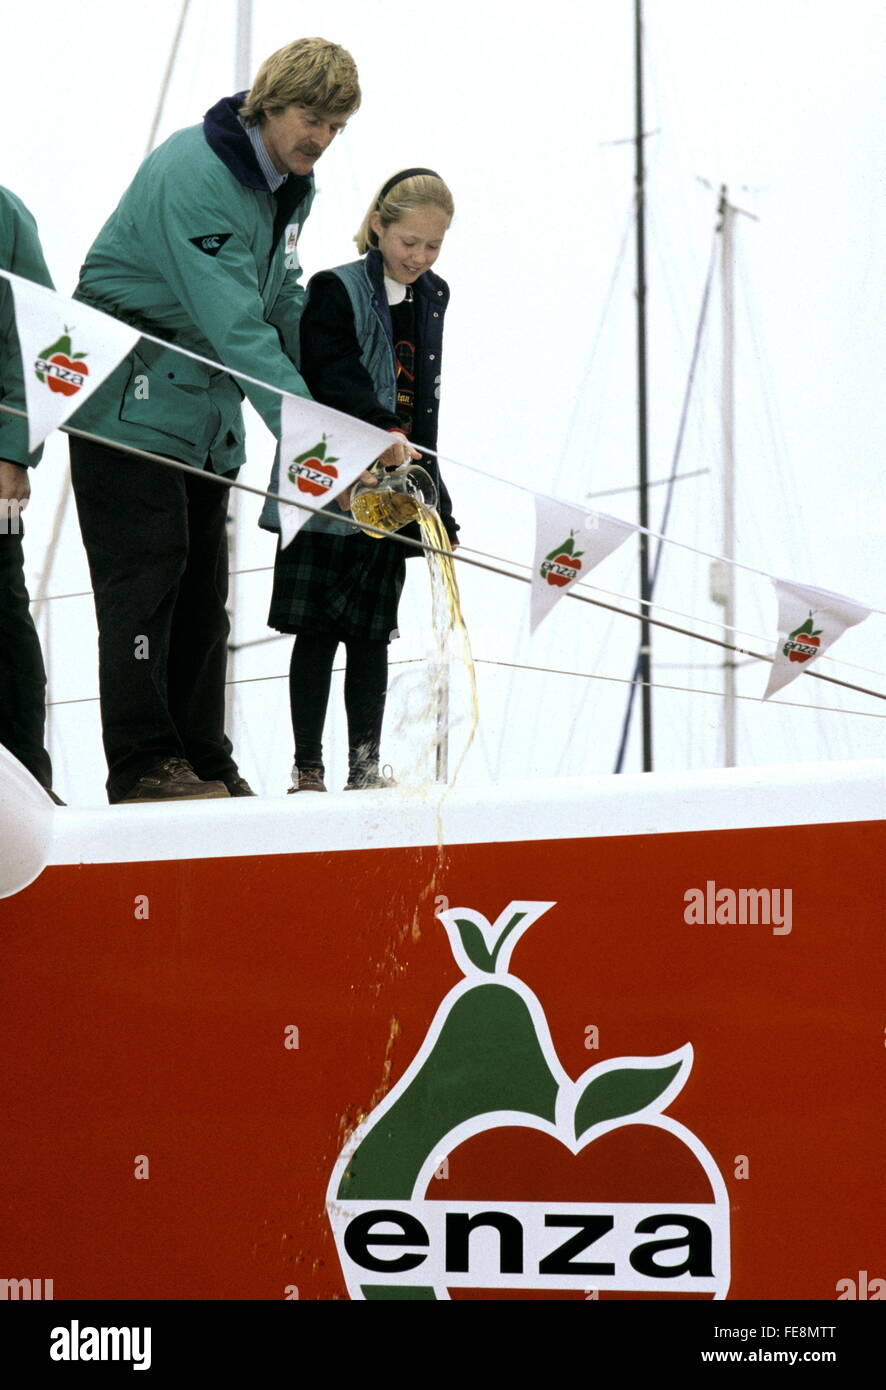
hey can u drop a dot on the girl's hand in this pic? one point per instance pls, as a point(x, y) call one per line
point(344, 498)
point(399, 452)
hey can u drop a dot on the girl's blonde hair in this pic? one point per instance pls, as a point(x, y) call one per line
point(313, 73)
point(410, 189)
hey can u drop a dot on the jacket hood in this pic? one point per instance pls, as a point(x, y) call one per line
point(226, 138)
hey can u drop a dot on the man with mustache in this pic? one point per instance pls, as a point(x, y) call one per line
point(200, 252)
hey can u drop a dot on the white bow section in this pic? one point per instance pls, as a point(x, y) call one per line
point(26, 816)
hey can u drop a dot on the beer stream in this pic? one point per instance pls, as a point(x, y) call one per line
point(390, 511)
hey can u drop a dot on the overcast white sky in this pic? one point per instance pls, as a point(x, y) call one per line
point(519, 108)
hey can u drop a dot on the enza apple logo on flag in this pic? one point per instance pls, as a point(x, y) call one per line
point(310, 474)
point(551, 1183)
point(56, 379)
point(313, 472)
point(60, 368)
point(563, 564)
point(803, 642)
point(799, 640)
point(557, 568)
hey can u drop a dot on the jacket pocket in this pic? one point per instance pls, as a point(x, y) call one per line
point(170, 394)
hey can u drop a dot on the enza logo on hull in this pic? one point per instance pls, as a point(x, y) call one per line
point(533, 1245)
point(555, 1201)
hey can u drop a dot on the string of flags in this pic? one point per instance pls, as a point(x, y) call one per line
point(72, 348)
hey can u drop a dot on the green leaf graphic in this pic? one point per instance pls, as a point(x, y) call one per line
point(621, 1092)
point(475, 945)
point(514, 922)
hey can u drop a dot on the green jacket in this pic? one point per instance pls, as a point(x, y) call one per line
point(21, 253)
point(199, 252)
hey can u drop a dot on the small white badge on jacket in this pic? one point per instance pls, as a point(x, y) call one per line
point(290, 246)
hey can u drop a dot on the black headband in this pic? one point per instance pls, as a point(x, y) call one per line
point(398, 178)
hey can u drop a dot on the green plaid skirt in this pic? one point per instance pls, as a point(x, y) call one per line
point(325, 582)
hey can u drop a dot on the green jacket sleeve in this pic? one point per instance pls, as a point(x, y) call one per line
point(20, 252)
point(286, 314)
point(222, 294)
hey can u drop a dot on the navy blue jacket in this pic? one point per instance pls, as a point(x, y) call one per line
point(347, 354)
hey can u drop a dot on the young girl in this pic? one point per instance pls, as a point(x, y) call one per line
point(371, 339)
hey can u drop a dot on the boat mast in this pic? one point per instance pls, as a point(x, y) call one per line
point(243, 57)
point(727, 587)
point(645, 661)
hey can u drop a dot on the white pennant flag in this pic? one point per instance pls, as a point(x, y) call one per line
point(67, 350)
point(809, 621)
point(321, 453)
point(569, 542)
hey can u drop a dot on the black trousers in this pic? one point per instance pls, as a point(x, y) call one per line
point(155, 540)
point(22, 673)
point(366, 682)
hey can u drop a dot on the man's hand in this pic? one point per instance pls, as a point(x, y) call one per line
point(344, 498)
point(15, 488)
point(401, 451)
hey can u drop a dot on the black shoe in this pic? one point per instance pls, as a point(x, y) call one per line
point(238, 786)
point(172, 779)
point(54, 796)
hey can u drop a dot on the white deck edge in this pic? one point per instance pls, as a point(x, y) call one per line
point(573, 808)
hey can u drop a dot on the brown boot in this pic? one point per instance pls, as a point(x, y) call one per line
point(307, 779)
point(173, 779)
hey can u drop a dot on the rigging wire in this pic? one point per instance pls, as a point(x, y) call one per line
point(167, 77)
point(781, 469)
point(582, 584)
point(216, 479)
point(550, 671)
point(663, 526)
point(289, 501)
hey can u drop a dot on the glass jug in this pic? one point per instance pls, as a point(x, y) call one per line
point(393, 502)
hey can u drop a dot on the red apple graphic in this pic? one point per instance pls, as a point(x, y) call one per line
point(305, 484)
point(67, 388)
point(809, 640)
point(559, 581)
point(631, 1163)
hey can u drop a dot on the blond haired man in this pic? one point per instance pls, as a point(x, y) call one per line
point(202, 252)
